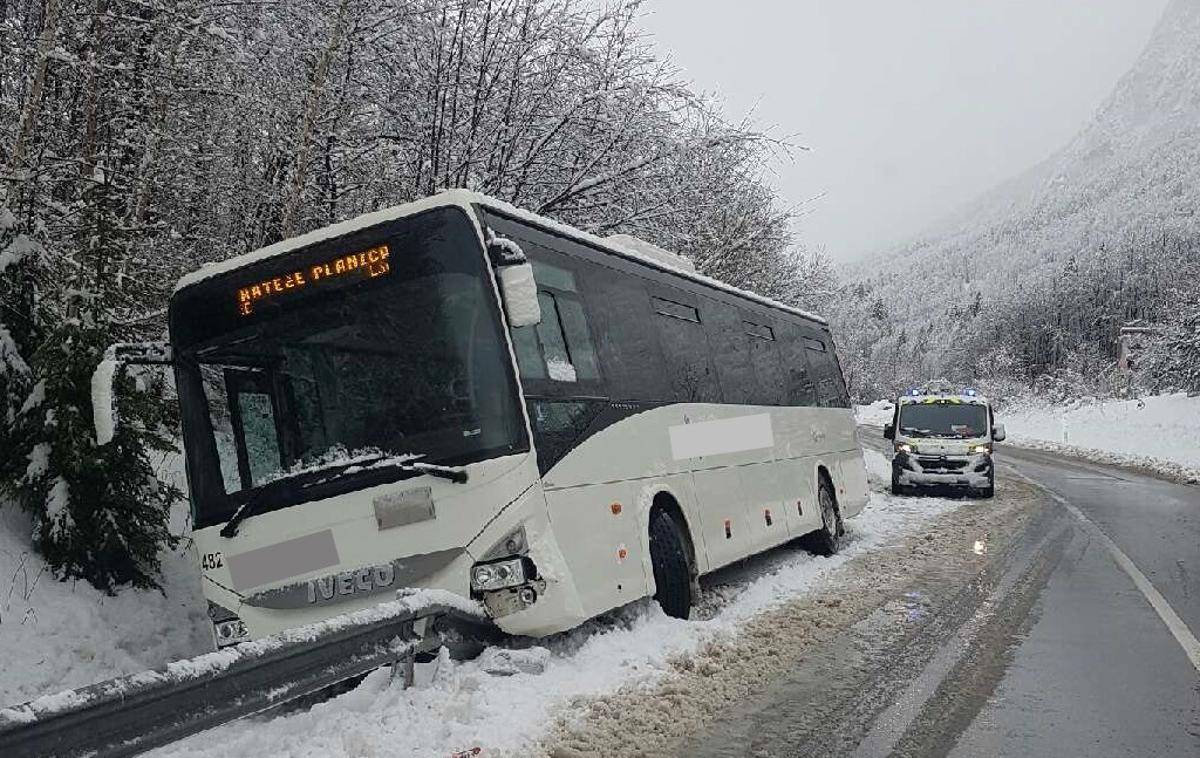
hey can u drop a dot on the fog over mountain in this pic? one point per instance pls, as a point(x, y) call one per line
point(1107, 225)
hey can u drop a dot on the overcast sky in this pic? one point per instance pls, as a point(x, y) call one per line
point(910, 107)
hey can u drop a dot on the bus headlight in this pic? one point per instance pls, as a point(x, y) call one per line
point(230, 632)
point(486, 577)
point(228, 629)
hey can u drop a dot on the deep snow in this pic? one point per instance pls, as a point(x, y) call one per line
point(56, 635)
point(1166, 427)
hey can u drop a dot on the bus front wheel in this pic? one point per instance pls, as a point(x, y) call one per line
point(672, 571)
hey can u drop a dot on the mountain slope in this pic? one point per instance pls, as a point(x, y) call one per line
point(1100, 228)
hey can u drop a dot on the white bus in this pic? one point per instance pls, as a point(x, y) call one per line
point(387, 403)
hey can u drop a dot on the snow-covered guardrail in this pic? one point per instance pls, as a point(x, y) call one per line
point(132, 714)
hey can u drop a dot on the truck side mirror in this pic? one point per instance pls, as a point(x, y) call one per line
point(998, 433)
point(104, 378)
point(517, 285)
point(889, 432)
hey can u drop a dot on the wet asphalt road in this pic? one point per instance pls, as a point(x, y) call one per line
point(1099, 672)
point(1053, 650)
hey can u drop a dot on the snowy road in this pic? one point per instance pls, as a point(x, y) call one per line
point(1052, 648)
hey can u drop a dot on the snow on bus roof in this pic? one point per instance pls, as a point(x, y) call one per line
point(365, 221)
point(465, 199)
point(628, 251)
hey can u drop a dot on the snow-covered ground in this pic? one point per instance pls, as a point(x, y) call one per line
point(56, 635)
point(1165, 426)
point(459, 705)
point(877, 413)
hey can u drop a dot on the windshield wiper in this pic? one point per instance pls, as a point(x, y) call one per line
point(456, 475)
point(230, 529)
point(251, 506)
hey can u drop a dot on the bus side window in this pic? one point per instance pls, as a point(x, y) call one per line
point(831, 390)
point(558, 423)
point(731, 355)
point(685, 347)
point(839, 380)
point(529, 356)
point(800, 390)
point(560, 347)
point(764, 356)
point(554, 341)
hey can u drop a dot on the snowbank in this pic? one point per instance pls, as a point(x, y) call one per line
point(877, 413)
point(1159, 433)
point(56, 635)
point(457, 706)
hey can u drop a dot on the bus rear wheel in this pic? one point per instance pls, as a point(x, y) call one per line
point(828, 539)
point(672, 570)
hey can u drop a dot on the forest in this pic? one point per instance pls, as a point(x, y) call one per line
point(140, 139)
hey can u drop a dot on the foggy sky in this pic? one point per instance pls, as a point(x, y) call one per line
point(910, 108)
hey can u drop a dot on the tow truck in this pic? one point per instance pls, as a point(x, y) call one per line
point(943, 438)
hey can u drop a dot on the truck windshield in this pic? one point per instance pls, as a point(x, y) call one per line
point(956, 420)
point(407, 362)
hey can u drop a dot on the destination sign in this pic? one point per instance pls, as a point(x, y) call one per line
point(366, 264)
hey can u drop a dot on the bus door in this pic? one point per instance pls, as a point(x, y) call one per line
point(566, 394)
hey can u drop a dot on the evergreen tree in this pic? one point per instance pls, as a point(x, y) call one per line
point(101, 512)
point(1172, 360)
point(17, 253)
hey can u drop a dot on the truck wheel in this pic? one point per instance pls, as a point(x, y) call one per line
point(897, 487)
point(828, 539)
point(990, 490)
point(672, 570)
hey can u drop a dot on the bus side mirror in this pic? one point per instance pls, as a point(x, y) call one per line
point(517, 285)
point(519, 291)
point(998, 433)
point(889, 432)
point(116, 358)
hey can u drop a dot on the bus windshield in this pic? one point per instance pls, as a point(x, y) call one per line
point(953, 420)
point(409, 363)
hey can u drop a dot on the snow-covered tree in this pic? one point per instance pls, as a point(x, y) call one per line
point(100, 513)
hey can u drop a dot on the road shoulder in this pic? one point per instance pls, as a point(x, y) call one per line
point(808, 660)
